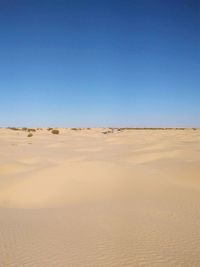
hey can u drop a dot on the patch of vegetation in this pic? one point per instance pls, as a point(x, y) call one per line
point(107, 132)
point(49, 129)
point(14, 128)
point(30, 135)
point(77, 129)
point(55, 131)
point(31, 130)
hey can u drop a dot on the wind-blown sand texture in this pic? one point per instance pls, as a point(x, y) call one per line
point(86, 199)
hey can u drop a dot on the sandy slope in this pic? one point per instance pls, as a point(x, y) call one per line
point(82, 198)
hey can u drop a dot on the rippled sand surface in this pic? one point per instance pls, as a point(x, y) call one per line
point(86, 199)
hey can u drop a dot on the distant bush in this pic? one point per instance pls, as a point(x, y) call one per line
point(30, 135)
point(31, 130)
point(54, 131)
point(77, 129)
point(49, 129)
point(107, 132)
point(14, 128)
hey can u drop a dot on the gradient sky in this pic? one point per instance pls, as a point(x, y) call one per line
point(100, 63)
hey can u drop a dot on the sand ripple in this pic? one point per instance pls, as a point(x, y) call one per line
point(91, 200)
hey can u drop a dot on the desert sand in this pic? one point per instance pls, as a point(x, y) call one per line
point(83, 198)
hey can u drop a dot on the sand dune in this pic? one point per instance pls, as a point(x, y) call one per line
point(84, 198)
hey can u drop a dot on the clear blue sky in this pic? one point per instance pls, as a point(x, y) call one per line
point(99, 63)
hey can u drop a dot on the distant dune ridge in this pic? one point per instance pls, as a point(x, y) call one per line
point(99, 197)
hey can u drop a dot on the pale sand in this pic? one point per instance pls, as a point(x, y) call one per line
point(83, 198)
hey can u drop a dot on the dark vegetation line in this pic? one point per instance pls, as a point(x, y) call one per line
point(111, 128)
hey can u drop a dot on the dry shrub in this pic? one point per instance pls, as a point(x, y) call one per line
point(54, 131)
point(14, 128)
point(31, 130)
point(30, 135)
